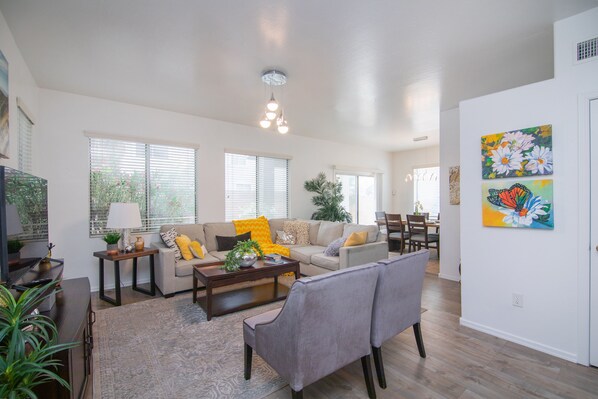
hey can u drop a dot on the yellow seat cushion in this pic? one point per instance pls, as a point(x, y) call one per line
point(183, 242)
point(357, 238)
point(259, 228)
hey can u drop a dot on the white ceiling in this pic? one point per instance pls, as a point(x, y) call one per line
point(372, 73)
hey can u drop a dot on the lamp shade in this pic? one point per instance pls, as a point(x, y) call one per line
point(13, 221)
point(123, 215)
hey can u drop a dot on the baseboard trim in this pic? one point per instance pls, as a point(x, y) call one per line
point(129, 283)
point(572, 357)
point(449, 277)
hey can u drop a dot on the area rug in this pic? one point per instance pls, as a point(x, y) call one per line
point(165, 348)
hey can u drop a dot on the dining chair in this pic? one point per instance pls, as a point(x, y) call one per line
point(381, 220)
point(396, 231)
point(397, 303)
point(323, 326)
point(419, 235)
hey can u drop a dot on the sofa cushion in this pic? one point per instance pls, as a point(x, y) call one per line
point(184, 268)
point(193, 231)
point(220, 255)
point(335, 246)
point(327, 262)
point(226, 243)
point(372, 230)
point(328, 232)
point(299, 229)
point(275, 225)
point(211, 230)
point(314, 228)
point(303, 254)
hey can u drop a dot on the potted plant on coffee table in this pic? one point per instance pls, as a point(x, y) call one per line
point(244, 254)
point(28, 343)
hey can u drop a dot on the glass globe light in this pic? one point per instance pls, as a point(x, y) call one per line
point(283, 127)
point(272, 104)
point(270, 115)
point(265, 123)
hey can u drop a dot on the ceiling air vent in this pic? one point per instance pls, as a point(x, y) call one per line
point(587, 49)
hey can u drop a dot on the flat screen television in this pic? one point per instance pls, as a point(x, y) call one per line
point(23, 223)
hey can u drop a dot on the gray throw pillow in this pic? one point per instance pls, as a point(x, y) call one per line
point(334, 247)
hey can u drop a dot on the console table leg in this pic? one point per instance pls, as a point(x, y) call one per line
point(101, 277)
point(152, 277)
point(134, 273)
point(117, 281)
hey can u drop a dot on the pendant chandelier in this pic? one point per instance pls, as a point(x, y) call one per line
point(273, 110)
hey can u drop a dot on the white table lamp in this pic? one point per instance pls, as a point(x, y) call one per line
point(125, 216)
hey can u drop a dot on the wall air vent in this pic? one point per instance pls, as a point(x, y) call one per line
point(421, 138)
point(587, 49)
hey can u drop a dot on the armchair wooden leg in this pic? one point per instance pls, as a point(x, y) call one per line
point(297, 394)
point(420, 341)
point(369, 378)
point(248, 357)
point(379, 366)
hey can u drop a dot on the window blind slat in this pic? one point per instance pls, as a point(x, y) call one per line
point(161, 179)
point(25, 137)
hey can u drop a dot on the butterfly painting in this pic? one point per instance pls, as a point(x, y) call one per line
point(526, 204)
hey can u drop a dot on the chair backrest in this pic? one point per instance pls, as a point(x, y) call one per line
point(417, 224)
point(323, 326)
point(397, 302)
point(380, 219)
point(394, 223)
point(426, 215)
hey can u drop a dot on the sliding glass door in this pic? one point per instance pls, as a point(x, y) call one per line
point(360, 196)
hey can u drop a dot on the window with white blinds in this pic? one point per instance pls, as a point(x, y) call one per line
point(426, 189)
point(161, 179)
point(256, 186)
point(25, 139)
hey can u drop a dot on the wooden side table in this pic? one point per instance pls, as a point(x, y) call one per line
point(102, 255)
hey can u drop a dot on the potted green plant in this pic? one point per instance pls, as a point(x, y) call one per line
point(418, 208)
point(28, 342)
point(244, 254)
point(111, 240)
point(328, 199)
point(14, 249)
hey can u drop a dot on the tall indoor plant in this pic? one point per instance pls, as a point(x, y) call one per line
point(27, 343)
point(328, 199)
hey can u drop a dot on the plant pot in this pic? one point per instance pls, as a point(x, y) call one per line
point(111, 249)
point(247, 259)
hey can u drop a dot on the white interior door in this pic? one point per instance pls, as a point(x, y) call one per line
point(594, 234)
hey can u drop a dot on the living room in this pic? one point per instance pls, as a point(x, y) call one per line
point(69, 110)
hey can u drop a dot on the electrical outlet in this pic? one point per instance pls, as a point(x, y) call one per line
point(518, 300)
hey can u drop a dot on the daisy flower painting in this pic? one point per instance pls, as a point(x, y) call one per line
point(521, 205)
point(524, 152)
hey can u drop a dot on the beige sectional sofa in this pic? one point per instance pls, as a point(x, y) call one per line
point(174, 276)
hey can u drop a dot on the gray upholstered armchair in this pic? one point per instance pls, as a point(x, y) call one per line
point(397, 303)
point(323, 326)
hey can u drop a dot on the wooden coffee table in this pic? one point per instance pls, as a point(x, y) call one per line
point(212, 276)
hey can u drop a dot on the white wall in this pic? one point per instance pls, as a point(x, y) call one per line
point(64, 117)
point(541, 265)
point(20, 84)
point(403, 163)
point(450, 254)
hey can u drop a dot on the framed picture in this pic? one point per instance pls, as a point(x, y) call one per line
point(454, 185)
point(524, 152)
point(3, 106)
point(526, 204)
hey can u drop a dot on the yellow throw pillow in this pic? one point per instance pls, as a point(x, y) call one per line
point(357, 238)
point(259, 228)
point(183, 242)
point(197, 250)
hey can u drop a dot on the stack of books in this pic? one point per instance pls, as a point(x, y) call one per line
point(273, 259)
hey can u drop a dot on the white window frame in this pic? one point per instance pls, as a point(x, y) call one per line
point(414, 198)
point(350, 171)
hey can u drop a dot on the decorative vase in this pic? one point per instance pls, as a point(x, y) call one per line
point(247, 259)
point(111, 249)
point(139, 244)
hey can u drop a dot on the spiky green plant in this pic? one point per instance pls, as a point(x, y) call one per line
point(233, 257)
point(27, 343)
point(111, 238)
point(328, 199)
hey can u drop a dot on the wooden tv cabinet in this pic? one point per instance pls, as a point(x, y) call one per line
point(74, 318)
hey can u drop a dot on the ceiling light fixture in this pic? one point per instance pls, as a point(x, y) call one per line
point(274, 78)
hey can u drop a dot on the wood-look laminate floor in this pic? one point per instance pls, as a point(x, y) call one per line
point(460, 363)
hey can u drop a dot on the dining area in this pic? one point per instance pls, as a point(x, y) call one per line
point(412, 233)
